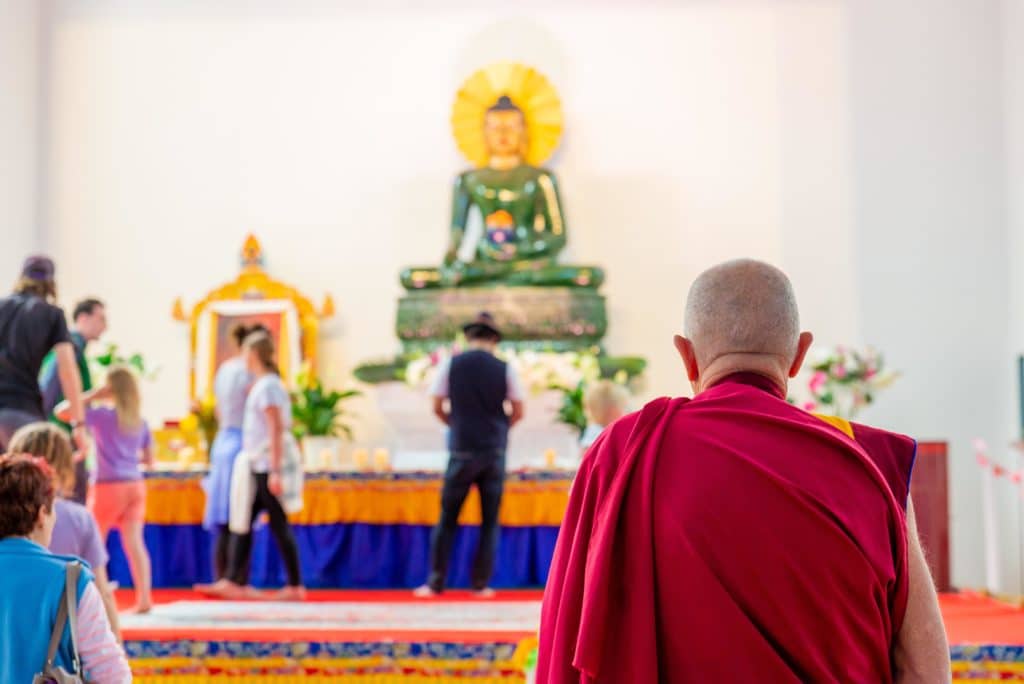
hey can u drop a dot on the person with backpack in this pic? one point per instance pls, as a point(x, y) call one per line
point(51, 614)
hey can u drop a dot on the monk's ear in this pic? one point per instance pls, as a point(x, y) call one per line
point(806, 339)
point(688, 355)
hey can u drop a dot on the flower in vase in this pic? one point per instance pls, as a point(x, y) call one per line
point(189, 423)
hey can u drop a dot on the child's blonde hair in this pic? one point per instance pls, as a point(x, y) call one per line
point(50, 443)
point(124, 387)
point(605, 402)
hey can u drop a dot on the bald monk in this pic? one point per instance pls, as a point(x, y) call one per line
point(733, 537)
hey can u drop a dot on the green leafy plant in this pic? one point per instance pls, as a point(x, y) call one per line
point(113, 357)
point(319, 413)
point(571, 411)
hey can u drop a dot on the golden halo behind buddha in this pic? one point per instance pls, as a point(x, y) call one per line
point(528, 89)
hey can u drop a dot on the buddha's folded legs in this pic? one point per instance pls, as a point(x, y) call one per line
point(541, 273)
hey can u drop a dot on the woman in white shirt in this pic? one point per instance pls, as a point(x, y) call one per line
point(266, 430)
point(230, 387)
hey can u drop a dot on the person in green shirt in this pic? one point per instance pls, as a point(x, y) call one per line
point(89, 324)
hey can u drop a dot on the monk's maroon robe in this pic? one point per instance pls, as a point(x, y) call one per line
point(730, 538)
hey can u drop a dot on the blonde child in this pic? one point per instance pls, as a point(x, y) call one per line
point(75, 532)
point(123, 445)
point(604, 403)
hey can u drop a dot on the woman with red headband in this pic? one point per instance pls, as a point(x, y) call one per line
point(33, 588)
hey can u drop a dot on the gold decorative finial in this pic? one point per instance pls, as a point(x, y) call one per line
point(328, 308)
point(178, 311)
point(252, 253)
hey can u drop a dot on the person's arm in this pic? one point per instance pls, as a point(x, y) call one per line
point(439, 390)
point(515, 395)
point(439, 411)
point(921, 655)
point(273, 416)
point(517, 412)
point(49, 384)
point(64, 410)
point(147, 455)
point(92, 549)
point(147, 447)
point(102, 657)
point(71, 385)
point(109, 604)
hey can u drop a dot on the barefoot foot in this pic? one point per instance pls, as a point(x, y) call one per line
point(289, 594)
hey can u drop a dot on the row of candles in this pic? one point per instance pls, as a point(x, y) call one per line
point(361, 460)
point(381, 460)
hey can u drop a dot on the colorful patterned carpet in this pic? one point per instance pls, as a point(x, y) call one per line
point(388, 636)
point(364, 637)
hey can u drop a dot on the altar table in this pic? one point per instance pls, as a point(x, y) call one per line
point(360, 530)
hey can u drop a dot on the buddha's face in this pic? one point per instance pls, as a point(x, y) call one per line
point(505, 133)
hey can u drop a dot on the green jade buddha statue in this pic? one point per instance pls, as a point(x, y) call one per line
point(507, 222)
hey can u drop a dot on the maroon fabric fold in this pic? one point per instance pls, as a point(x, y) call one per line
point(731, 536)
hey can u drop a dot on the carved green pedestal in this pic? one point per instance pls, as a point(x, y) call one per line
point(556, 318)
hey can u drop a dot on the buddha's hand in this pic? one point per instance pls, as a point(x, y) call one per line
point(453, 273)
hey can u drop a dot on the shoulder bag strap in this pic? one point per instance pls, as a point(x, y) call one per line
point(58, 624)
point(71, 575)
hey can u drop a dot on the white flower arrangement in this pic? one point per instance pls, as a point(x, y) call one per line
point(540, 371)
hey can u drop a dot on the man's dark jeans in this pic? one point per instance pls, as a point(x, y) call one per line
point(486, 470)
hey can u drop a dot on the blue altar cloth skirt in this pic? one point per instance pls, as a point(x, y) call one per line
point(357, 556)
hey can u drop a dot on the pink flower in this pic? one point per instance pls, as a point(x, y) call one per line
point(839, 370)
point(810, 406)
point(818, 381)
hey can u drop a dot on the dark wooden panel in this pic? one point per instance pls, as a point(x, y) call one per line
point(929, 489)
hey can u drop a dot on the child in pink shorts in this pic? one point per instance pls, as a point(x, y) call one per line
point(123, 444)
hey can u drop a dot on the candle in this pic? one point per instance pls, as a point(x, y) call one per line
point(326, 456)
point(549, 458)
point(186, 457)
point(361, 458)
point(381, 460)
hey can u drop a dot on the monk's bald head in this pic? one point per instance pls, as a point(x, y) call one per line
point(742, 307)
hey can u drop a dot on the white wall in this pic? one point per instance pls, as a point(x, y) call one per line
point(19, 143)
point(174, 131)
point(930, 233)
point(1013, 132)
point(851, 142)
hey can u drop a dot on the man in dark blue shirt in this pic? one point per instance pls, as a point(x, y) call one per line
point(476, 386)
